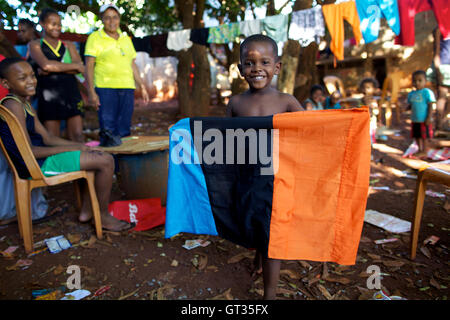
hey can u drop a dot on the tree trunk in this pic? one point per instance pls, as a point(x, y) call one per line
point(291, 73)
point(306, 72)
point(289, 63)
point(193, 94)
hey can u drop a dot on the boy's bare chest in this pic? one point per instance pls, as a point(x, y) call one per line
point(259, 107)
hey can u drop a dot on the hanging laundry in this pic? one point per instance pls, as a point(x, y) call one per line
point(370, 12)
point(307, 26)
point(276, 27)
point(179, 40)
point(200, 36)
point(224, 33)
point(408, 10)
point(334, 15)
point(142, 44)
point(250, 27)
point(158, 44)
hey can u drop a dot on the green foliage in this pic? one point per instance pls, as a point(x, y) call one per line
point(153, 16)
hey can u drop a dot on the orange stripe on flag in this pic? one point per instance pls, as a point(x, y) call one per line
point(321, 186)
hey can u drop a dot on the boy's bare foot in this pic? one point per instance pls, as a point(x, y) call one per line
point(113, 224)
point(85, 216)
point(257, 264)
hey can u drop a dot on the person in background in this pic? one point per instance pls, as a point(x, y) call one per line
point(439, 74)
point(368, 87)
point(316, 98)
point(26, 33)
point(57, 91)
point(333, 101)
point(112, 75)
point(421, 101)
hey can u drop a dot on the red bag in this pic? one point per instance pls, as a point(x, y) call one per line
point(146, 213)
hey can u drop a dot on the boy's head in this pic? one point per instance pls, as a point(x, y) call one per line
point(419, 79)
point(368, 86)
point(259, 60)
point(18, 77)
point(317, 93)
point(50, 21)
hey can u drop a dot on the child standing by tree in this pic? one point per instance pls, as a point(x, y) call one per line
point(57, 89)
point(421, 101)
point(52, 153)
point(259, 63)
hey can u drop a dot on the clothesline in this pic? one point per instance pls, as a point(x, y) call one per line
point(309, 25)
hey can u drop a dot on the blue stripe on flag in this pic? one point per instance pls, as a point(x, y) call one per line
point(188, 207)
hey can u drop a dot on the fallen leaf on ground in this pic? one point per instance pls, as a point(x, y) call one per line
point(305, 264)
point(212, 268)
point(374, 256)
point(240, 256)
point(202, 261)
point(324, 291)
point(337, 279)
point(128, 295)
point(341, 268)
point(393, 263)
point(174, 263)
point(426, 252)
point(434, 283)
point(19, 264)
point(74, 238)
point(58, 270)
point(224, 296)
point(285, 291)
point(291, 274)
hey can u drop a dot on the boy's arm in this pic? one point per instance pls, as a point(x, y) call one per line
point(51, 65)
point(93, 99)
point(39, 152)
point(431, 100)
point(54, 144)
point(293, 104)
point(230, 104)
point(429, 113)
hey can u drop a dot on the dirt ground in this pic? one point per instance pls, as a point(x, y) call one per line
point(144, 265)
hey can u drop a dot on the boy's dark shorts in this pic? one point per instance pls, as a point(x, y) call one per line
point(421, 130)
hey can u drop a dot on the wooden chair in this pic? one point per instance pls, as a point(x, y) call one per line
point(333, 83)
point(425, 175)
point(23, 187)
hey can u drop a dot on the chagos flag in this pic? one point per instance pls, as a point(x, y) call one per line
point(293, 185)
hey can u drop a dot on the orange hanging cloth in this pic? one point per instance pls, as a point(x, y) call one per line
point(334, 15)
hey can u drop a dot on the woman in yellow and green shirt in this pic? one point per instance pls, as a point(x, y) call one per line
point(111, 74)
